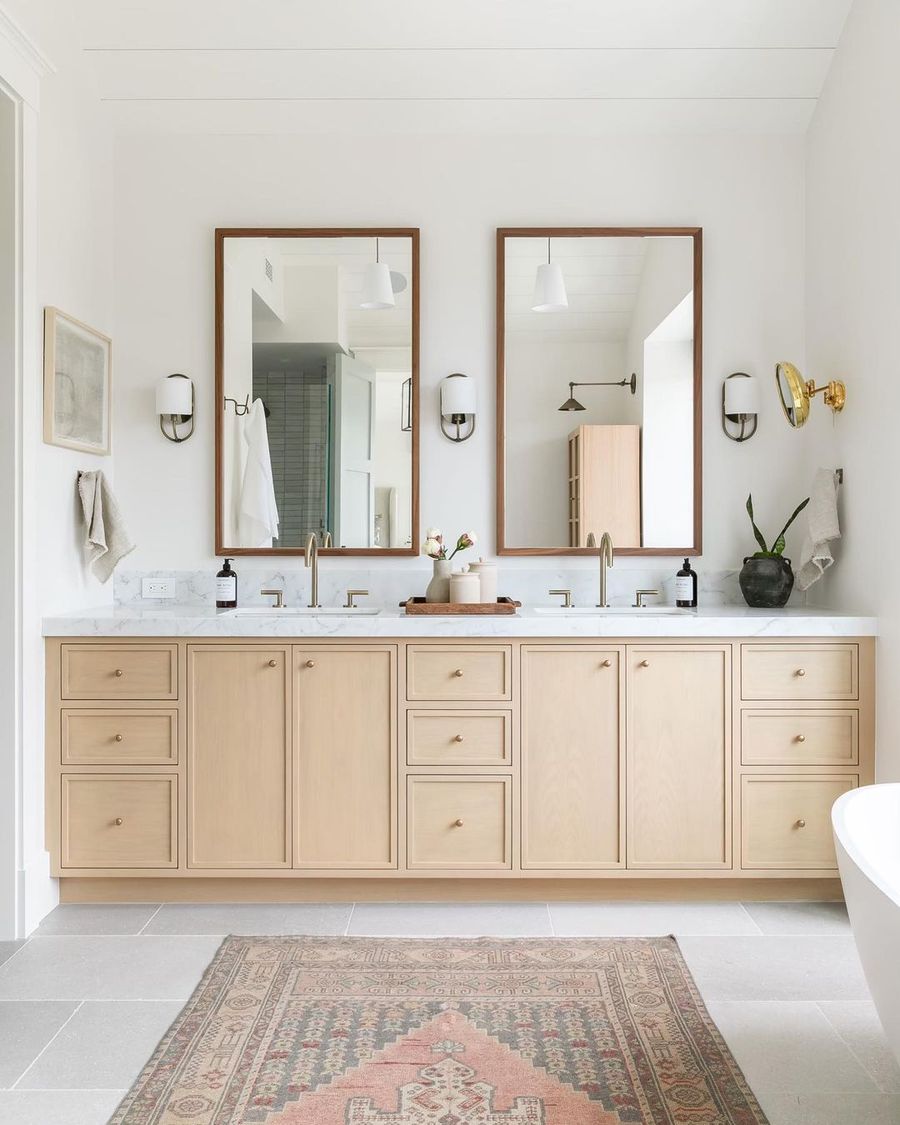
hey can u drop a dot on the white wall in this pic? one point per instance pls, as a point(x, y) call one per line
point(172, 191)
point(853, 304)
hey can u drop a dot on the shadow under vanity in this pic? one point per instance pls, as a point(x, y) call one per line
point(194, 755)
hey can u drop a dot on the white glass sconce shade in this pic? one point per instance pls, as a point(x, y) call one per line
point(458, 407)
point(740, 406)
point(175, 406)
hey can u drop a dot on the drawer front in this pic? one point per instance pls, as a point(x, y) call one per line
point(107, 672)
point(800, 737)
point(459, 822)
point(459, 672)
point(786, 821)
point(111, 821)
point(459, 738)
point(110, 738)
point(800, 671)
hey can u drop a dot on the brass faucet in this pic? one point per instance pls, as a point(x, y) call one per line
point(606, 561)
point(311, 559)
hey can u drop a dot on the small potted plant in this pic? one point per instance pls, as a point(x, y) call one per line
point(766, 578)
point(438, 589)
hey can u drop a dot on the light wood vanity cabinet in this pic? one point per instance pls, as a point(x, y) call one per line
point(494, 758)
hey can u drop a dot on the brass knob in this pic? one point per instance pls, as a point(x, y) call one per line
point(645, 663)
point(801, 738)
point(458, 738)
point(458, 672)
point(310, 664)
point(119, 821)
point(120, 737)
point(119, 672)
point(273, 663)
point(801, 671)
point(606, 664)
point(801, 823)
point(457, 824)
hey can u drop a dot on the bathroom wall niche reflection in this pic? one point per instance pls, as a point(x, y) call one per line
point(316, 355)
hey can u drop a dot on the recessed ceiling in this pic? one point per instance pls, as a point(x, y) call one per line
point(507, 65)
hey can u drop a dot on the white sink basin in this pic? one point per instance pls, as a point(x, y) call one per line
point(611, 611)
point(304, 611)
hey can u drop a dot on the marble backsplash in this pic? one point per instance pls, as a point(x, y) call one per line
point(388, 586)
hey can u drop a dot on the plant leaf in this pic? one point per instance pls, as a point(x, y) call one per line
point(778, 546)
point(756, 531)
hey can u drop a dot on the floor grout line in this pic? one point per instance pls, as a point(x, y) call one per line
point(48, 1044)
point(752, 920)
point(872, 1076)
point(14, 955)
point(349, 919)
point(550, 920)
point(143, 928)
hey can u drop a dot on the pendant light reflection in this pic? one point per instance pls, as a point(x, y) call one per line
point(377, 290)
point(549, 287)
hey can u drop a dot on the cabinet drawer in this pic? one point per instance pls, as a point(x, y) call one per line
point(800, 671)
point(109, 738)
point(459, 738)
point(108, 672)
point(786, 821)
point(110, 821)
point(459, 822)
point(459, 672)
point(800, 737)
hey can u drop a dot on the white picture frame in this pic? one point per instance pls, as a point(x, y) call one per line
point(77, 384)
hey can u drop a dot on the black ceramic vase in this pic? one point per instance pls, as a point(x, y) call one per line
point(767, 583)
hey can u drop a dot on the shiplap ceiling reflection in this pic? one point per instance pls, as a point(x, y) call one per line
point(518, 65)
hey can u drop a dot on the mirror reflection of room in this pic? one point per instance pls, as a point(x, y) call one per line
point(599, 371)
point(317, 371)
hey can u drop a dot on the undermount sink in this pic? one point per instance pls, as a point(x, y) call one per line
point(304, 611)
point(609, 611)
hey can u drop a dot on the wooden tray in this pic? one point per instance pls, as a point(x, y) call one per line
point(502, 607)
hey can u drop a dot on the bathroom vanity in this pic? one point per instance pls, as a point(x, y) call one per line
point(199, 747)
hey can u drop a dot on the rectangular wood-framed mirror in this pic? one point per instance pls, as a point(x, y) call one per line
point(599, 389)
point(317, 390)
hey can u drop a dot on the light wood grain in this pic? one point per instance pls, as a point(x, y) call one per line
point(441, 672)
point(679, 756)
point(459, 738)
point(458, 822)
point(239, 763)
point(606, 492)
point(119, 737)
point(802, 671)
point(787, 820)
point(808, 737)
point(345, 756)
point(98, 671)
point(572, 757)
point(111, 821)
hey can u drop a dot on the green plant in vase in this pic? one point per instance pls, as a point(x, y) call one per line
point(766, 577)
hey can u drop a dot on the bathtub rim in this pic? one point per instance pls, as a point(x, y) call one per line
point(845, 841)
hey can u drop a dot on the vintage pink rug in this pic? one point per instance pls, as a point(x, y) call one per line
point(371, 1031)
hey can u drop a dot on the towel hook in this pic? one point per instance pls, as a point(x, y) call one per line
point(839, 473)
point(240, 409)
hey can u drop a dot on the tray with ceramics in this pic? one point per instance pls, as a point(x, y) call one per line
point(502, 607)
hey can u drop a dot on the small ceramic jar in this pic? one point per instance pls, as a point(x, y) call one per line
point(465, 588)
point(487, 573)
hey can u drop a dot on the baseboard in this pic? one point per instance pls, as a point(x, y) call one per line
point(39, 892)
point(456, 890)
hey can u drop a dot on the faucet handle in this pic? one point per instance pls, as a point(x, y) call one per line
point(639, 596)
point(351, 594)
point(565, 594)
point(278, 595)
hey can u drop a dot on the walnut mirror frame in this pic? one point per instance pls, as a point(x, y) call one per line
point(326, 318)
point(524, 480)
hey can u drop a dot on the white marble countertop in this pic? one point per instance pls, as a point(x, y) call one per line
point(200, 621)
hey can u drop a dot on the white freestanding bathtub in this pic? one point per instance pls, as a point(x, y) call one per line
point(866, 826)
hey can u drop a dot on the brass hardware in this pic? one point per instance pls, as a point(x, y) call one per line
point(310, 664)
point(606, 560)
point(645, 663)
point(119, 672)
point(278, 595)
point(801, 738)
point(273, 663)
point(458, 672)
point(119, 737)
point(796, 392)
point(351, 594)
point(311, 560)
point(801, 672)
point(801, 823)
point(458, 738)
point(606, 663)
point(639, 596)
point(457, 824)
point(566, 595)
point(119, 821)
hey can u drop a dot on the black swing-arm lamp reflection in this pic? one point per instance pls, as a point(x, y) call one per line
point(572, 403)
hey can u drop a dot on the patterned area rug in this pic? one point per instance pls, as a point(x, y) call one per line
point(369, 1031)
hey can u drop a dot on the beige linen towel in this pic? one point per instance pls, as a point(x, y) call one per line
point(106, 539)
point(822, 528)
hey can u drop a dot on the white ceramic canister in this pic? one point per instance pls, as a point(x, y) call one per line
point(487, 573)
point(465, 588)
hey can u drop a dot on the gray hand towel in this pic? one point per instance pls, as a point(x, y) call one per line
point(106, 539)
point(822, 528)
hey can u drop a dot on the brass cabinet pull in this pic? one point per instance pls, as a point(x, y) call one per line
point(458, 672)
point(801, 671)
point(120, 737)
point(645, 663)
point(273, 663)
point(606, 664)
point(310, 664)
point(119, 821)
point(458, 738)
point(457, 824)
point(801, 823)
point(119, 672)
point(801, 738)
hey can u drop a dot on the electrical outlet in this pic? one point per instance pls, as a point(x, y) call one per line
point(156, 588)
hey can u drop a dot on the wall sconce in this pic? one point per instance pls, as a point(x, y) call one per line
point(175, 406)
point(740, 405)
point(796, 393)
point(457, 406)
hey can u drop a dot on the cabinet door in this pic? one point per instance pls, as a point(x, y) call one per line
point(239, 758)
point(346, 751)
point(571, 753)
point(679, 756)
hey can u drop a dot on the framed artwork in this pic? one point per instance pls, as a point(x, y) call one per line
point(77, 384)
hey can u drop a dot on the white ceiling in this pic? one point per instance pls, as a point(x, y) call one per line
point(478, 65)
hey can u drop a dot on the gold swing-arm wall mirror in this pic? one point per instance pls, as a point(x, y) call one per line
point(796, 393)
point(599, 378)
point(317, 370)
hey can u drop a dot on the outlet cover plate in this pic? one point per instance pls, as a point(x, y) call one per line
point(156, 588)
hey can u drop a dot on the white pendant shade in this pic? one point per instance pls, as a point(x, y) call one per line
point(549, 289)
point(377, 291)
point(174, 396)
point(457, 395)
point(741, 395)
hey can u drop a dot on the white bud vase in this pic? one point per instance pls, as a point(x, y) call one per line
point(438, 589)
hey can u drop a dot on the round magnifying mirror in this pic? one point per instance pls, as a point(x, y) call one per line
point(793, 392)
